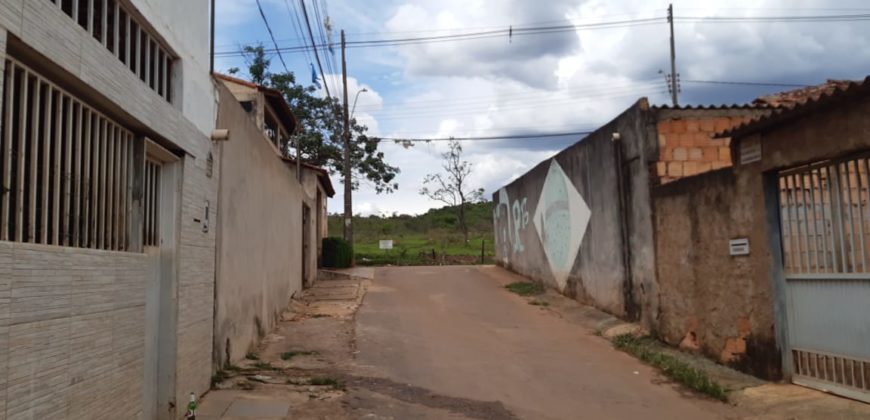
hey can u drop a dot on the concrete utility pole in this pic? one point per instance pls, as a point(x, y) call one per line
point(348, 200)
point(673, 58)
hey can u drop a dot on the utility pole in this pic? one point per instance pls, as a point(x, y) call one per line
point(673, 80)
point(348, 200)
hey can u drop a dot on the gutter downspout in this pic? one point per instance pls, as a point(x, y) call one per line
point(628, 285)
point(211, 46)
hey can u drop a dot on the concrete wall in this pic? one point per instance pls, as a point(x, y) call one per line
point(260, 251)
point(561, 223)
point(638, 256)
point(831, 133)
point(710, 301)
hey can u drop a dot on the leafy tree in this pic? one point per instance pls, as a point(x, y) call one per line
point(320, 139)
point(451, 187)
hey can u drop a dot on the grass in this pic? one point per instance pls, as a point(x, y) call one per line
point(252, 356)
point(416, 238)
point(539, 303)
point(263, 366)
point(646, 350)
point(324, 381)
point(219, 377)
point(291, 354)
point(526, 288)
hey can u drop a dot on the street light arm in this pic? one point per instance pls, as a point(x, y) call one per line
point(356, 99)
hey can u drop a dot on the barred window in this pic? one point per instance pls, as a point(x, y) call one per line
point(65, 168)
point(151, 219)
point(139, 49)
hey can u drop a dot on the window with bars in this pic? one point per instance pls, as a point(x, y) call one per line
point(151, 218)
point(65, 168)
point(112, 25)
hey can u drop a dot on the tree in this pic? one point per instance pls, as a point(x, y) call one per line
point(320, 141)
point(451, 187)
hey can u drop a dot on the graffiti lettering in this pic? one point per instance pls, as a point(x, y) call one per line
point(510, 219)
point(520, 222)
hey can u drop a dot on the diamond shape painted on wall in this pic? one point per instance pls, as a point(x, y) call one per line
point(561, 219)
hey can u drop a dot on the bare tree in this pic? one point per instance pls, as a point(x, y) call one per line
point(451, 187)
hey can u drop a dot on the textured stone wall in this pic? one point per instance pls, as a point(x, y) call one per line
point(709, 301)
point(72, 332)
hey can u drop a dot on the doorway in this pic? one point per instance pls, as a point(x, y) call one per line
point(160, 178)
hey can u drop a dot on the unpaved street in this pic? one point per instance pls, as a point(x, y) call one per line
point(457, 332)
point(437, 343)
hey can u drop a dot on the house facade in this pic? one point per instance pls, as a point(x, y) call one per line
point(107, 207)
point(272, 219)
point(807, 169)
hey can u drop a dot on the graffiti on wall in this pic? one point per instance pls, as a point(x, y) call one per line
point(510, 219)
point(561, 219)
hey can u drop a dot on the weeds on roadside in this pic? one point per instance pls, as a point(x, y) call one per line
point(525, 288)
point(219, 377)
point(263, 366)
point(539, 303)
point(252, 356)
point(645, 350)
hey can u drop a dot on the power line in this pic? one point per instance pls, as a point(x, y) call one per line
point(724, 82)
point(795, 18)
point(271, 35)
point(487, 138)
point(543, 30)
point(316, 55)
point(296, 21)
point(516, 31)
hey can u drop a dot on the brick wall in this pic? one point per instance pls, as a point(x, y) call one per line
point(686, 146)
point(72, 339)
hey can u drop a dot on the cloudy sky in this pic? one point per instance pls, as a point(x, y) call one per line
point(556, 82)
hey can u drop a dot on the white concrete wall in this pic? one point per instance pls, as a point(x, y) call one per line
point(185, 26)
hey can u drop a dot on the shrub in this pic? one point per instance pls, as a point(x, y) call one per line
point(337, 253)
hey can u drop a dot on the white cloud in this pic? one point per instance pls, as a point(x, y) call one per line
point(570, 81)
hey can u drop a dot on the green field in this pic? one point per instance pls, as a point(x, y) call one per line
point(428, 239)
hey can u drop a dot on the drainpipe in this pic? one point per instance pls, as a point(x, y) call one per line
point(211, 47)
point(628, 286)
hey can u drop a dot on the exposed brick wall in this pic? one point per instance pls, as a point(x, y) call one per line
point(72, 340)
point(687, 146)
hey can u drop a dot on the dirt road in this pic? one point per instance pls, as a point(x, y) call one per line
point(456, 332)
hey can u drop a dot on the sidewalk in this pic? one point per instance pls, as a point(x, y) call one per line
point(760, 399)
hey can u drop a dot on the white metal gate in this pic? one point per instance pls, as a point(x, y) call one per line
point(825, 226)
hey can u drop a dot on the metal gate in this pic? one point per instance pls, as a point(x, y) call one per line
point(825, 225)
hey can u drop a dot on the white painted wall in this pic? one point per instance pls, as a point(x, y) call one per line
point(185, 26)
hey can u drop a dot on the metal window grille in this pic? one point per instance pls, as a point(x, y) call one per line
point(110, 23)
point(825, 217)
point(64, 167)
point(151, 225)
